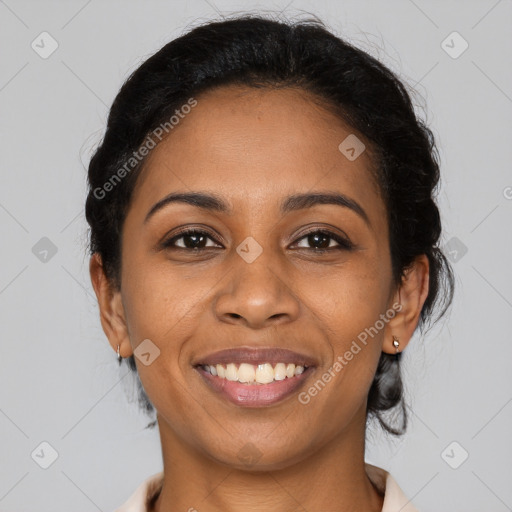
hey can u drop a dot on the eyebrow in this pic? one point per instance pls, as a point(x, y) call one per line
point(214, 203)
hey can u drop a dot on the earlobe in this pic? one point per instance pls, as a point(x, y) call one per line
point(411, 295)
point(112, 315)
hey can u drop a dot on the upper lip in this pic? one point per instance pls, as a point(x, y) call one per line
point(255, 356)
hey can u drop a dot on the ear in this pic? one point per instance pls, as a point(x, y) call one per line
point(112, 313)
point(411, 294)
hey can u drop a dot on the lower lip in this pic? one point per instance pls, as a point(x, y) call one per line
point(254, 395)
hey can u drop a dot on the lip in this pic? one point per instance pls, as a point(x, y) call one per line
point(272, 355)
point(254, 395)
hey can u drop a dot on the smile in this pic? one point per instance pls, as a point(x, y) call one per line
point(254, 377)
point(248, 385)
point(255, 374)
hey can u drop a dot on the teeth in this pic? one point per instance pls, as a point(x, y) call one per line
point(250, 374)
point(280, 371)
point(299, 370)
point(264, 373)
point(231, 372)
point(246, 373)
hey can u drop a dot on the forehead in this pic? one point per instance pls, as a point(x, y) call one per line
point(257, 145)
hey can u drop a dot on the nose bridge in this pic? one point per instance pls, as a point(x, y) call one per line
point(256, 291)
point(255, 269)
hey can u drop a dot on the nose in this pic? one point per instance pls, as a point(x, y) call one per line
point(256, 294)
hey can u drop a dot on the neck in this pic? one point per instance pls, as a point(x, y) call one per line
point(334, 474)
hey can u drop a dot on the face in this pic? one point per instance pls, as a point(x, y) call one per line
point(267, 273)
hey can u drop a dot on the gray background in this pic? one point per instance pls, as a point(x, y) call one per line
point(60, 380)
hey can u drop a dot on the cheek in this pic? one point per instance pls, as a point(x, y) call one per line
point(340, 388)
point(154, 298)
point(160, 307)
point(358, 309)
point(352, 298)
point(354, 304)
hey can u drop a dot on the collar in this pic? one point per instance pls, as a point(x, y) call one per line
point(394, 498)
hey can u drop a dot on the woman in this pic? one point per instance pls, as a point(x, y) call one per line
point(264, 244)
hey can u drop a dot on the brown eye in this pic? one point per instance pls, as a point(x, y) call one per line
point(193, 239)
point(321, 240)
point(197, 240)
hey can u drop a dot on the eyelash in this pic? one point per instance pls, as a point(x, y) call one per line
point(344, 244)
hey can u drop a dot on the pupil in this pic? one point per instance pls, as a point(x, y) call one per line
point(313, 239)
point(195, 236)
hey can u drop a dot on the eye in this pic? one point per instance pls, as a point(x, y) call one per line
point(321, 240)
point(193, 239)
point(197, 240)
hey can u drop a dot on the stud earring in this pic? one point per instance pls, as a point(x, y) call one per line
point(118, 354)
point(396, 343)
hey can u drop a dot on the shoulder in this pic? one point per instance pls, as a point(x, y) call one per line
point(143, 494)
point(394, 498)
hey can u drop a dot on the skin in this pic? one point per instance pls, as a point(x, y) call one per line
point(254, 147)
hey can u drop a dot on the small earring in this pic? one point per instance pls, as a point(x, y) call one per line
point(118, 354)
point(396, 343)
